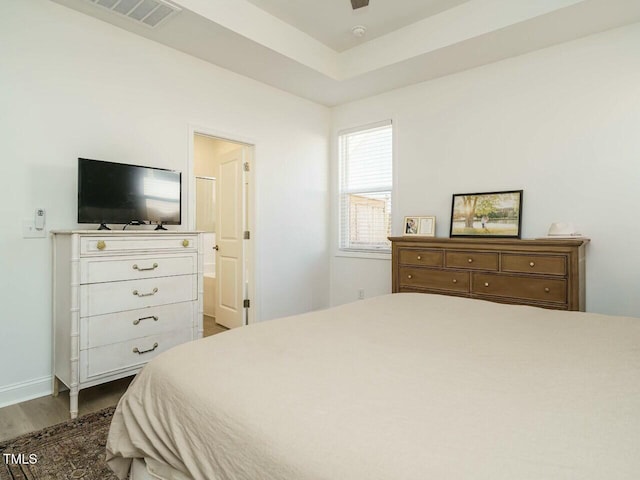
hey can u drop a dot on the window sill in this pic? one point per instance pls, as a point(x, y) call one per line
point(363, 254)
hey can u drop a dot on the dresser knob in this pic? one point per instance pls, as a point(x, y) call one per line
point(470, 260)
point(486, 284)
point(101, 245)
point(185, 243)
point(546, 289)
point(409, 276)
point(419, 257)
point(532, 264)
point(455, 280)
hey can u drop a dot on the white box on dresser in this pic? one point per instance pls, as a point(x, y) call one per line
point(119, 299)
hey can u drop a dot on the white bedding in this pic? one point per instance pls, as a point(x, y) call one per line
point(404, 386)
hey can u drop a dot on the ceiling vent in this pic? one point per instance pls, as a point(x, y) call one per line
point(149, 12)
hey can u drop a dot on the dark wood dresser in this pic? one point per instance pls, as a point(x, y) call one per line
point(543, 273)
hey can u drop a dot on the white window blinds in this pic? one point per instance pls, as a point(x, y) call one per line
point(366, 177)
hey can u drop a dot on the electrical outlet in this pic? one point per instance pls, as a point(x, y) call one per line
point(29, 229)
point(361, 294)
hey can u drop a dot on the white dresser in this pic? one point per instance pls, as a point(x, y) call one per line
point(119, 299)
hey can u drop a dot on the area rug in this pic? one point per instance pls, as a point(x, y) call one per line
point(70, 450)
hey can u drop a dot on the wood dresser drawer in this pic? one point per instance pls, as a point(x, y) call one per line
point(427, 258)
point(531, 263)
point(111, 328)
point(547, 273)
point(472, 260)
point(107, 269)
point(101, 298)
point(129, 354)
point(553, 290)
point(434, 279)
point(110, 244)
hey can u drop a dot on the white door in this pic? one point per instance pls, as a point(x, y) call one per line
point(229, 235)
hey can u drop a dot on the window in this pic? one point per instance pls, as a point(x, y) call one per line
point(365, 188)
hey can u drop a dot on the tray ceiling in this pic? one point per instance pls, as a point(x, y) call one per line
point(301, 47)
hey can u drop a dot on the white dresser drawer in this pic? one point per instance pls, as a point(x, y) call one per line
point(111, 328)
point(133, 353)
point(121, 244)
point(107, 269)
point(119, 290)
point(101, 298)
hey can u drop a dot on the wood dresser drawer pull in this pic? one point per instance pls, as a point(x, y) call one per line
point(455, 280)
point(153, 267)
point(419, 257)
point(486, 284)
point(101, 245)
point(140, 352)
point(138, 294)
point(532, 264)
point(137, 321)
point(470, 260)
point(546, 289)
point(409, 276)
point(185, 243)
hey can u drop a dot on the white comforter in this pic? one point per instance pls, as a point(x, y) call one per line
point(404, 386)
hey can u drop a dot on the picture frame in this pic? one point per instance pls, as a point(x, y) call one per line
point(489, 214)
point(419, 226)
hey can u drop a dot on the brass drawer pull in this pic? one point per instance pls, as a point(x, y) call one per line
point(136, 322)
point(101, 245)
point(455, 280)
point(419, 257)
point(185, 243)
point(470, 260)
point(138, 294)
point(136, 267)
point(140, 352)
point(546, 289)
point(532, 264)
point(409, 276)
point(486, 284)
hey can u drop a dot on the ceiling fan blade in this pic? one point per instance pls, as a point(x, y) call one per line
point(359, 3)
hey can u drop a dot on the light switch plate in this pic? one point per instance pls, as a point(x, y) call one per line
point(29, 230)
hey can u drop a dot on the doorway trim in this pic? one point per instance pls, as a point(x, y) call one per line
point(251, 260)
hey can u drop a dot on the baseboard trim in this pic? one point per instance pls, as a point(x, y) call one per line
point(23, 391)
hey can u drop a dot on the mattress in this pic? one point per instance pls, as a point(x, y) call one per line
point(402, 386)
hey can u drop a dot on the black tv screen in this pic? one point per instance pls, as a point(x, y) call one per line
point(119, 193)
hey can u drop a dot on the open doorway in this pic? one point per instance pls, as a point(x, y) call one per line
point(221, 171)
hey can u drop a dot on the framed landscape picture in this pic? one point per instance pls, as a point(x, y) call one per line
point(491, 214)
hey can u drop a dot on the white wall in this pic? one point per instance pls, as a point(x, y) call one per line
point(560, 123)
point(73, 86)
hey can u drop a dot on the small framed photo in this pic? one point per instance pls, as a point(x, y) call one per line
point(492, 214)
point(420, 226)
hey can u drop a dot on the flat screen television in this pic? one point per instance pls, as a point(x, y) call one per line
point(118, 193)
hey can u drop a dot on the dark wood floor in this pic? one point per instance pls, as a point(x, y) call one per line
point(45, 411)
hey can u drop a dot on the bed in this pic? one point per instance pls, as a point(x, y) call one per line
point(402, 386)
